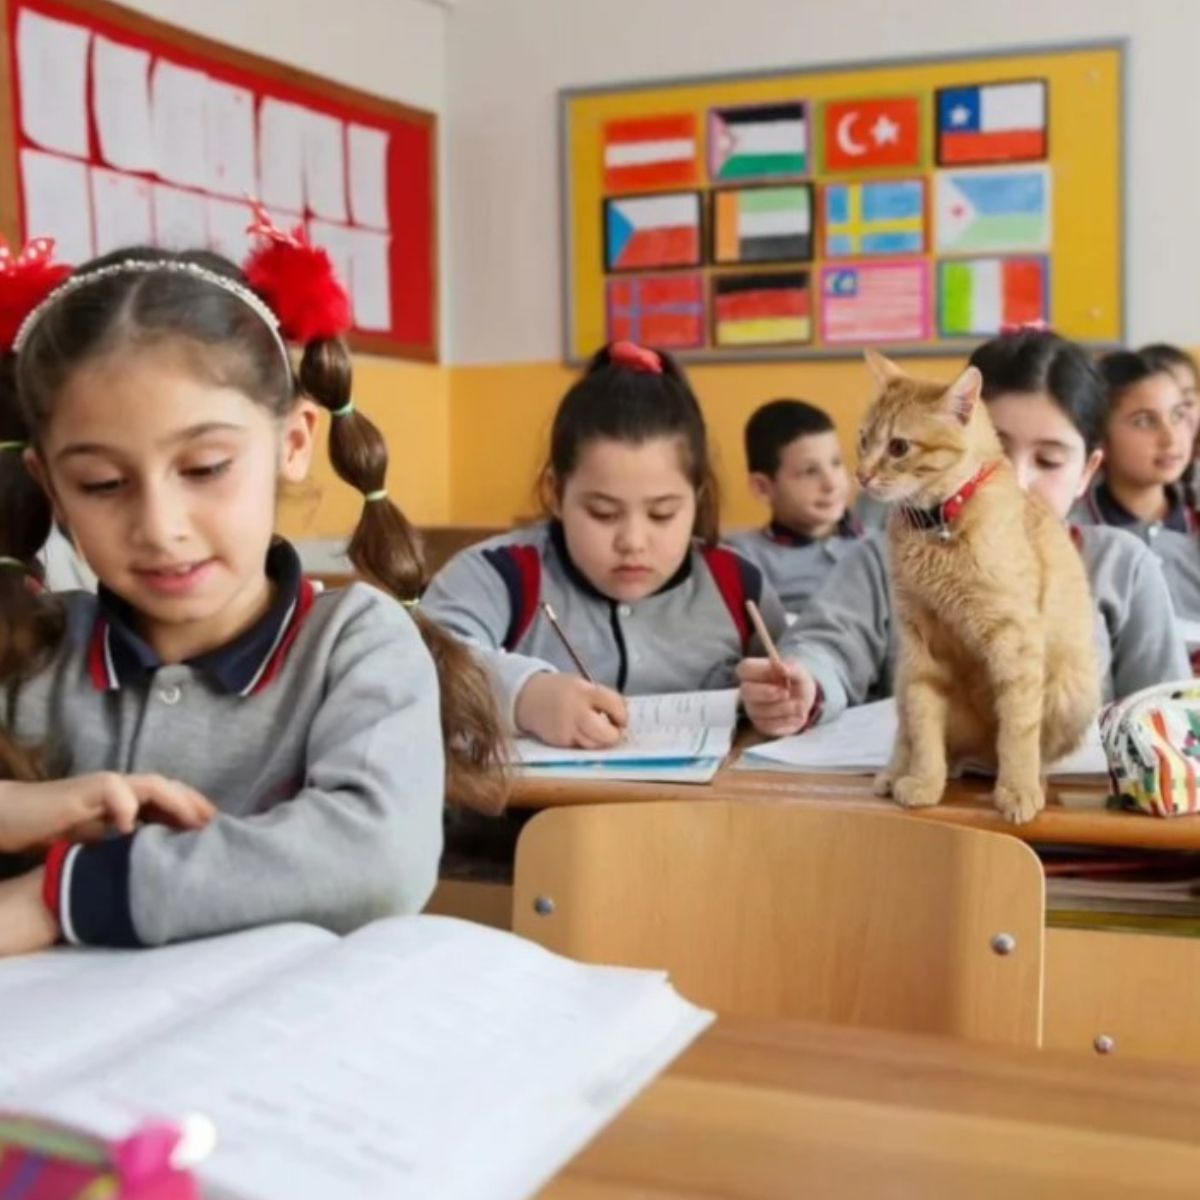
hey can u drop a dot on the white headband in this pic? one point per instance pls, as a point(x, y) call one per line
point(142, 266)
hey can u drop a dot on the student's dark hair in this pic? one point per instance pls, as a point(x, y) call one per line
point(1035, 360)
point(1162, 356)
point(617, 401)
point(777, 424)
point(224, 341)
point(1123, 369)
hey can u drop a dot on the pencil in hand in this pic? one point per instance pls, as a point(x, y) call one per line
point(764, 636)
point(562, 637)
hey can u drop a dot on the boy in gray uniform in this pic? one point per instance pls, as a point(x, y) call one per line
point(796, 469)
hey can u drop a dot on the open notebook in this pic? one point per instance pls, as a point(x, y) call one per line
point(681, 737)
point(860, 741)
point(419, 1057)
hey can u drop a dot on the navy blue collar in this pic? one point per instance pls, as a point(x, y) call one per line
point(558, 539)
point(1107, 509)
point(783, 535)
point(120, 655)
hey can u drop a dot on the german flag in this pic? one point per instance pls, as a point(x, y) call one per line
point(762, 309)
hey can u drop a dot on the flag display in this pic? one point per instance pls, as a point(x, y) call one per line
point(865, 134)
point(648, 152)
point(761, 310)
point(886, 217)
point(993, 209)
point(657, 310)
point(762, 224)
point(652, 231)
point(993, 122)
point(875, 302)
point(758, 142)
point(978, 297)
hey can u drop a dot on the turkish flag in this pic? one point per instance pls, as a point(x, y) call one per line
point(862, 134)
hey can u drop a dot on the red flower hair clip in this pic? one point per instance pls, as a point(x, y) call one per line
point(298, 281)
point(635, 357)
point(26, 279)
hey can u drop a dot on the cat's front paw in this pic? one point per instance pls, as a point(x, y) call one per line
point(883, 784)
point(1019, 803)
point(911, 791)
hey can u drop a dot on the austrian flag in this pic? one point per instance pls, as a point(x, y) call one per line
point(648, 152)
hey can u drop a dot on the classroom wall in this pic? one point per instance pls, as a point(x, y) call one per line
point(505, 64)
point(396, 49)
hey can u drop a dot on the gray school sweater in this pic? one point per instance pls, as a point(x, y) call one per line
point(690, 634)
point(795, 565)
point(846, 636)
point(316, 734)
point(1175, 540)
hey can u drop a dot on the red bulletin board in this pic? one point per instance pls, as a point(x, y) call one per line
point(119, 129)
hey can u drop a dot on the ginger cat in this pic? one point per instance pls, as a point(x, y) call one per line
point(996, 660)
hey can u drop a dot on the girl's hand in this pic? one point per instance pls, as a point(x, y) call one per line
point(564, 710)
point(26, 924)
point(778, 706)
point(88, 807)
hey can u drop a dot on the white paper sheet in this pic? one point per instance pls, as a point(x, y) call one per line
point(379, 1067)
point(178, 97)
point(281, 154)
point(58, 203)
point(860, 742)
point(229, 139)
point(368, 150)
point(121, 210)
point(690, 710)
point(121, 103)
point(227, 224)
point(52, 74)
point(371, 279)
point(339, 240)
point(325, 166)
point(180, 218)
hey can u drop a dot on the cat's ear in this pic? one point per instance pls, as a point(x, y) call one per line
point(963, 394)
point(882, 367)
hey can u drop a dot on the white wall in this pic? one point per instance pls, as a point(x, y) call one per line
point(394, 48)
point(506, 59)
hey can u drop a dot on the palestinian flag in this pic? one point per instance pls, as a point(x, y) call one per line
point(764, 141)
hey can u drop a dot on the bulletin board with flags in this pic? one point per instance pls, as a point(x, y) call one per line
point(917, 205)
point(117, 129)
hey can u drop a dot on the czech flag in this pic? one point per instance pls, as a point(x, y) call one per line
point(652, 231)
point(995, 122)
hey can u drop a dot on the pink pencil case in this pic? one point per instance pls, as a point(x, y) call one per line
point(42, 1161)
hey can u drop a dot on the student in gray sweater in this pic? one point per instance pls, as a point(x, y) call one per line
point(1046, 399)
point(796, 469)
point(644, 599)
point(284, 750)
point(1148, 434)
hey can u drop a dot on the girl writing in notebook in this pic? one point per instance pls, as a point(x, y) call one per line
point(1047, 402)
point(157, 411)
point(642, 599)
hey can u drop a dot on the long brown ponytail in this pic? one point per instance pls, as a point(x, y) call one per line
point(386, 549)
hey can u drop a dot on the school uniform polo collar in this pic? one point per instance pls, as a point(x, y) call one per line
point(119, 656)
point(558, 540)
point(783, 535)
point(1107, 509)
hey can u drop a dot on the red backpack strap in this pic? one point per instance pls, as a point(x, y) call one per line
point(737, 581)
point(521, 569)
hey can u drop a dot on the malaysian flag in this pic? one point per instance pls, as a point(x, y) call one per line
point(875, 302)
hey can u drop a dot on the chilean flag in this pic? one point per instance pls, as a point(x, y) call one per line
point(995, 122)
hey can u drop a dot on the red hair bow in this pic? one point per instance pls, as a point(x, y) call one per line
point(26, 279)
point(1023, 327)
point(635, 357)
point(298, 281)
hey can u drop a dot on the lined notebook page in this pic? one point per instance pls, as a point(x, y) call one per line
point(66, 1007)
point(420, 1057)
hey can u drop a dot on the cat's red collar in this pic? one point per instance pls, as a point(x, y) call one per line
point(941, 516)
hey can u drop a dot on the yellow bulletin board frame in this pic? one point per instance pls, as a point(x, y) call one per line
point(1085, 154)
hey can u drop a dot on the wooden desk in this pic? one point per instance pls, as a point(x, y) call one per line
point(775, 1111)
point(1081, 820)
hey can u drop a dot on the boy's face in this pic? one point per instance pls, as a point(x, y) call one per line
point(809, 490)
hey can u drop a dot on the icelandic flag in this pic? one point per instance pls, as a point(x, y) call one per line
point(994, 122)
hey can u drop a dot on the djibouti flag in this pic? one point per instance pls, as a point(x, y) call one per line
point(763, 141)
point(993, 209)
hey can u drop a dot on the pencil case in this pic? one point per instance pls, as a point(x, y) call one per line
point(1152, 741)
point(43, 1161)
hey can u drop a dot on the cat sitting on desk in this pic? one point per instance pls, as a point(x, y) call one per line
point(996, 661)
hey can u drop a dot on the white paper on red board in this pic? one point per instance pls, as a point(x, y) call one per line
point(281, 129)
point(368, 149)
point(122, 213)
point(52, 75)
point(325, 166)
point(180, 218)
point(121, 104)
point(178, 97)
point(229, 139)
point(57, 203)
